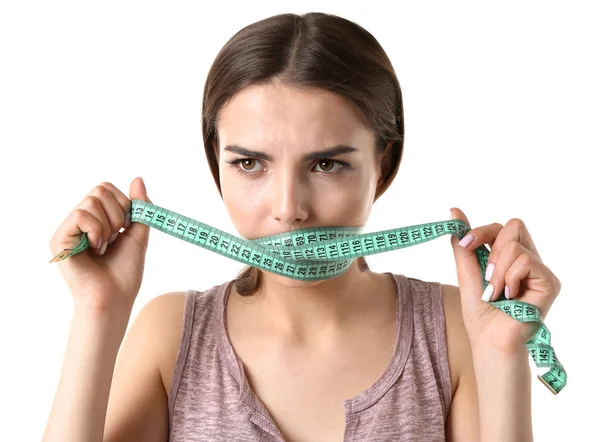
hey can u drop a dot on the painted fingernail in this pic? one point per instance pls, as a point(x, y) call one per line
point(112, 238)
point(103, 248)
point(487, 293)
point(466, 240)
point(506, 292)
point(489, 270)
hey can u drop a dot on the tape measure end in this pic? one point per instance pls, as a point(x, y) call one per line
point(62, 255)
point(546, 384)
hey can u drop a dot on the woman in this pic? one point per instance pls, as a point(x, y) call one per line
point(303, 126)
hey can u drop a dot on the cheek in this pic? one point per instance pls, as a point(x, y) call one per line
point(243, 207)
point(241, 194)
point(349, 204)
point(353, 208)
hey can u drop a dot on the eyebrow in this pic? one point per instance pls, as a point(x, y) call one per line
point(321, 155)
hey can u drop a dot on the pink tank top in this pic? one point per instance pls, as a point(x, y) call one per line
point(210, 398)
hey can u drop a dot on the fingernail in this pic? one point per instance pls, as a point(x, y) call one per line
point(487, 293)
point(143, 184)
point(112, 238)
point(506, 292)
point(489, 270)
point(127, 220)
point(466, 240)
point(99, 242)
point(103, 248)
point(451, 216)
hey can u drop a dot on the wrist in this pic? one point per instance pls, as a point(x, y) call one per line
point(503, 382)
point(102, 315)
point(488, 354)
point(499, 348)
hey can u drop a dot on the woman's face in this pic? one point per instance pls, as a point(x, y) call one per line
point(282, 189)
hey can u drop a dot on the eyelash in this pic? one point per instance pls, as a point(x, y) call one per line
point(235, 164)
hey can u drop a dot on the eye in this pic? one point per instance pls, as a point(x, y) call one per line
point(247, 163)
point(244, 165)
point(331, 165)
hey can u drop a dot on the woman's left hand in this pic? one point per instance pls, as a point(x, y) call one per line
point(518, 266)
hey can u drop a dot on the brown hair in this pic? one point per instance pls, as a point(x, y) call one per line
point(314, 50)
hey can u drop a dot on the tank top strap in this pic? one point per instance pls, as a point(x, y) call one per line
point(430, 333)
point(402, 348)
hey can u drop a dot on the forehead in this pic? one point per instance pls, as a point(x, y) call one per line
point(275, 112)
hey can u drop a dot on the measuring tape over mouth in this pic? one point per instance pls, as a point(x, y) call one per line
point(325, 252)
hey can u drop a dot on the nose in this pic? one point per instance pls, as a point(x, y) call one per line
point(290, 199)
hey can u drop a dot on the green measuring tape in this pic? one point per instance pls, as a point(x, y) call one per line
point(325, 252)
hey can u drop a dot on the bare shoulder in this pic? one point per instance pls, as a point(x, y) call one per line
point(166, 321)
point(457, 339)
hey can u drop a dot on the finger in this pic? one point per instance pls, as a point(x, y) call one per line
point(467, 268)
point(122, 199)
point(514, 230)
point(526, 278)
point(482, 235)
point(125, 205)
point(527, 269)
point(139, 231)
point(85, 219)
point(456, 213)
point(113, 210)
point(496, 273)
point(93, 204)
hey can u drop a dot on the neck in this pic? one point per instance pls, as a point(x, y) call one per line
point(302, 308)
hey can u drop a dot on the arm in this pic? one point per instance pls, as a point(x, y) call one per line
point(504, 393)
point(136, 407)
point(79, 406)
point(492, 400)
point(462, 423)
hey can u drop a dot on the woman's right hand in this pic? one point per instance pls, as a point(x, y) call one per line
point(110, 281)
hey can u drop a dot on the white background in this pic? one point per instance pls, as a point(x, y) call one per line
point(501, 104)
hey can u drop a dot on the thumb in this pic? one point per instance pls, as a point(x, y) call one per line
point(467, 266)
point(139, 231)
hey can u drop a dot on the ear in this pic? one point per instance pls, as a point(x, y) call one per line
point(381, 160)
